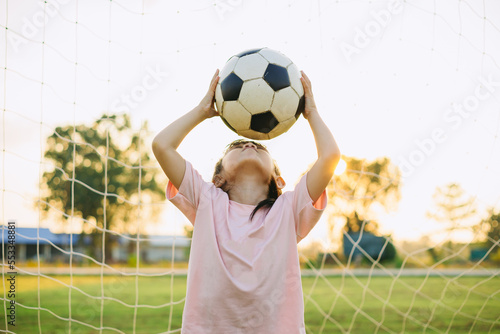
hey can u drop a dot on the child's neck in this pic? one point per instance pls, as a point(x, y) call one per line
point(248, 192)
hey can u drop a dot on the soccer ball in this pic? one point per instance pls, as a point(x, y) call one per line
point(259, 94)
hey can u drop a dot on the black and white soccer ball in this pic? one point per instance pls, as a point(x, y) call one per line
point(259, 94)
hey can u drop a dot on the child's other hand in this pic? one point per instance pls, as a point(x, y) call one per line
point(207, 104)
point(310, 105)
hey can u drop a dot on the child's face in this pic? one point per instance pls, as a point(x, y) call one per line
point(248, 155)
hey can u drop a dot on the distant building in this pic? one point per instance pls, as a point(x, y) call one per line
point(29, 238)
point(479, 254)
point(370, 244)
point(54, 247)
point(154, 248)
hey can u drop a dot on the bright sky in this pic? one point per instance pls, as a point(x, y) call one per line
point(385, 75)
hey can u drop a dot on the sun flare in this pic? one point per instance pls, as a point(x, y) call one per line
point(341, 166)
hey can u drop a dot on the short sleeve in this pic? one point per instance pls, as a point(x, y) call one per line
point(306, 213)
point(187, 197)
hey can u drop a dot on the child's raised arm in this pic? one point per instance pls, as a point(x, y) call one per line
point(321, 172)
point(166, 142)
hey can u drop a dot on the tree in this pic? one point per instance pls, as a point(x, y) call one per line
point(363, 186)
point(188, 231)
point(491, 226)
point(355, 224)
point(356, 193)
point(309, 254)
point(363, 232)
point(101, 173)
point(452, 207)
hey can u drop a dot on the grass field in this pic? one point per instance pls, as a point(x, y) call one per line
point(470, 304)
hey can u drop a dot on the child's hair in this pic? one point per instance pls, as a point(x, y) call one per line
point(273, 192)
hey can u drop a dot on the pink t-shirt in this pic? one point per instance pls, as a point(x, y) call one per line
point(244, 276)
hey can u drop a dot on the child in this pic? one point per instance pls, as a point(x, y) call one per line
point(244, 274)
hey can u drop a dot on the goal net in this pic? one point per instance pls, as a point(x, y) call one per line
point(409, 241)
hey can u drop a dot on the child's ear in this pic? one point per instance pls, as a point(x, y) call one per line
point(280, 182)
point(218, 181)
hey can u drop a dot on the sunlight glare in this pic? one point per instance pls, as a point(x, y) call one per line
point(340, 167)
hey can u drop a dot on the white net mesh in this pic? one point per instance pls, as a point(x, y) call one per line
point(410, 239)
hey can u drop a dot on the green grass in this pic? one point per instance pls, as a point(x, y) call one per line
point(344, 300)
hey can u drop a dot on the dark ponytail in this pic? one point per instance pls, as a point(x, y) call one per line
point(267, 203)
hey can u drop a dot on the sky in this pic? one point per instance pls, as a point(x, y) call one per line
point(416, 81)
